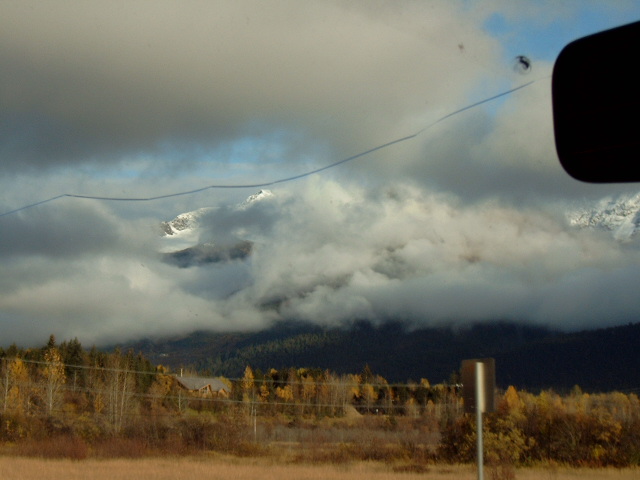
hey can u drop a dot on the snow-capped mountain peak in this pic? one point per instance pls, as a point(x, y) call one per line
point(184, 222)
point(621, 216)
point(189, 221)
point(187, 231)
point(256, 197)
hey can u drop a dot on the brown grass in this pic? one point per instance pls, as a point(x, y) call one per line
point(18, 468)
point(72, 448)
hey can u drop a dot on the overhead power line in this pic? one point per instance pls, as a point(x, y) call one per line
point(280, 180)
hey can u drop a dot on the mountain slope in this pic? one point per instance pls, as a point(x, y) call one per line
point(187, 242)
point(207, 253)
point(526, 356)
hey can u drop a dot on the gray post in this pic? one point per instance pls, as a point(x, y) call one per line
point(255, 424)
point(478, 391)
point(479, 409)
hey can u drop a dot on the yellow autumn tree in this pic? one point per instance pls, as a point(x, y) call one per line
point(160, 390)
point(326, 386)
point(54, 378)
point(369, 396)
point(285, 393)
point(512, 405)
point(248, 381)
point(17, 398)
point(248, 385)
point(308, 391)
point(353, 381)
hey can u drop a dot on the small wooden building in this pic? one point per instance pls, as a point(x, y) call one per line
point(203, 386)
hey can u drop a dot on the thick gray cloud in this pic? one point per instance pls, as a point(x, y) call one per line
point(90, 80)
point(463, 222)
point(74, 230)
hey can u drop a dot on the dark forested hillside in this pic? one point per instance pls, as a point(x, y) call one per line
point(596, 360)
point(526, 356)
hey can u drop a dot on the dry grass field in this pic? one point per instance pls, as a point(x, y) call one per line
point(19, 468)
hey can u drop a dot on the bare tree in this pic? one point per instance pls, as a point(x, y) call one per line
point(119, 390)
point(54, 378)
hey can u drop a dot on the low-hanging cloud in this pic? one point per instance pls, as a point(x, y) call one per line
point(331, 253)
point(428, 259)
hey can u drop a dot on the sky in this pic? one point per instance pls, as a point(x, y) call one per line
point(459, 217)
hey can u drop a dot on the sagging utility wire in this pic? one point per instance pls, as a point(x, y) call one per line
point(281, 180)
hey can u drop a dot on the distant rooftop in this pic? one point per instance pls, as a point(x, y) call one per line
point(197, 383)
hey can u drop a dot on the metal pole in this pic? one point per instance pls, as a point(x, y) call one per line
point(255, 424)
point(479, 409)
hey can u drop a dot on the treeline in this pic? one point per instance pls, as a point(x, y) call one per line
point(271, 352)
point(65, 381)
point(115, 390)
point(61, 396)
point(578, 429)
point(320, 393)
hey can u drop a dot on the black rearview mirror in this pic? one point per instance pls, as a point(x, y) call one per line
point(596, 106)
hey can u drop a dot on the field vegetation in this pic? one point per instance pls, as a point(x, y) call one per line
point(61, 403)
point(216, 467)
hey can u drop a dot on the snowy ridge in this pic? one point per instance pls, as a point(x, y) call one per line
point(621, 216)
point(256, 197)
point(184, 231)
point(184, 221)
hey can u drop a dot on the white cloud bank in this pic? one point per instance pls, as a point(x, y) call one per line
point(333, 254)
